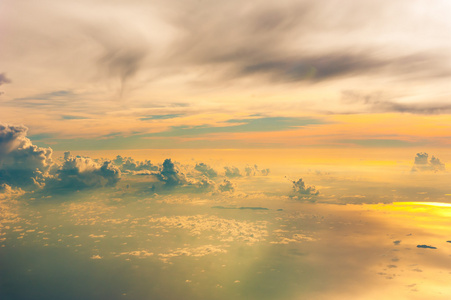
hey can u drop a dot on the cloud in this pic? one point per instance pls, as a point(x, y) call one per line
point(4, 79)
point(377, 102)
point(232, 172)
point(426, 247)
point(127, 164)
point(301, 191)
point(55, 99)
point(226, 186)
point(291, 41)
point(161, 117)
point(254, 170)
point(206, 170)
point(79, 173)
point(170, 175)
point(423, 164)
point(123, 53)
point(22, 164)
point(258, 124)
point(8, 192)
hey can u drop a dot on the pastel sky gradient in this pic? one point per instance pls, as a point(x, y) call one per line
point(99, 74)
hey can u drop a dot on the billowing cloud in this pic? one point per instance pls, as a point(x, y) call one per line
point(22, 164)
point(78, 173)
point(301, 191)
point(232, 172)
point(170, 175)
point(226, 186)
point(127, 164)
point(422, 163)
point(206, 170)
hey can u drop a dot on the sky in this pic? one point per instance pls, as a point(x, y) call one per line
point(223, 74)
point(270, 150)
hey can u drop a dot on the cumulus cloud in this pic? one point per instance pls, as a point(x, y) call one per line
point(422, 163)
point(301, 191)
point(22, 164)
point(232, 172)
point(254, 170)
point(78, 173)
point(226, 186)
point(128, 164)
point(206, 170)
point(170, 175)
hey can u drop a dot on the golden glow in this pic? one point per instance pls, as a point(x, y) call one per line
point(435, 204)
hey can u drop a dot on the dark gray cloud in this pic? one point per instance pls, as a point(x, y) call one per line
point(278, 40)
point(377, 102)
point(426, 247)
point(422, 163)
point(301, 191)
point(22, 164)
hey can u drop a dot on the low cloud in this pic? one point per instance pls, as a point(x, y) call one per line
point(301, 191)
point(79, 173)
point(254, 171)
point(128, 164)
point(232, 172)
point(422, 163)
point(226, 186)
point(206, 170)
point(27, 166)
point(426, 247)
point(22, 164)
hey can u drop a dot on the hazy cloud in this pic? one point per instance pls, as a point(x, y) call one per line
point(254, 170)
point(378, 102)
point(423, 163)
point(232, 172)
point(4, 79)
point(301, 191)
point(226, 186)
